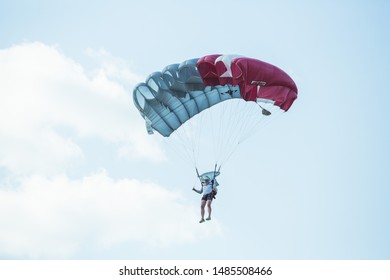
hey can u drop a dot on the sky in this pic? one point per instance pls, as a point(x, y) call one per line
point(81, 179)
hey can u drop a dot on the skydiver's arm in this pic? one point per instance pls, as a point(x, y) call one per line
point(198, 191)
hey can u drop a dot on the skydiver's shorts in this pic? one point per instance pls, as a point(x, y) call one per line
point(208, 196)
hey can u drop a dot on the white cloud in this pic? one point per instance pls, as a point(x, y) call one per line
point(55, 218)
point(114, 67)
point(50, 110)
point(43, 93)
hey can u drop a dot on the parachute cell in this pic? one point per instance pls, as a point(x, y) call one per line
point(169, 98)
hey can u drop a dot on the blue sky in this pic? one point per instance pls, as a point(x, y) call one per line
point(80, 177)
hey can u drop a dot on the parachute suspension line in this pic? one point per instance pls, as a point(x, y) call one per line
point(263, 121)
point(216, 132)
point(191, 140)
point(238, 119)
point(248, 118)
point(180, 145)
point(221, 139)
point(201, 137)
point(214, 135)
point(230, 154)
point(220, 130)
point(212, 128)
point(229, 119)
point(186, 141)
point(225, 117)
point(198, 135)
point(194, 138)
point(227, 126)
point(252, 114)
point(174, 146)
point(217, 129)
point(254, 117)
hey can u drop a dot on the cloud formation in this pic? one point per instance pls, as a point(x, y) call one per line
point(48, 103)
point(56, 218)
point(50, 111)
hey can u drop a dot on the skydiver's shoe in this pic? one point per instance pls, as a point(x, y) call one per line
point(202, 221)
point(208, 218)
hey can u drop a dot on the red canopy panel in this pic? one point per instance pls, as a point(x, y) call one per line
point(207, 70)
point(255, 78)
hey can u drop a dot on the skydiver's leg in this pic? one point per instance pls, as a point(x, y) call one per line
point(209, 208)
point(202, 205)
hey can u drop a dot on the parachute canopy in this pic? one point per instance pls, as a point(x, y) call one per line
point(171, 97)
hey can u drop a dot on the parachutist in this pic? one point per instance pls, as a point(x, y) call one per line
point(169, 101)
point(208, 191)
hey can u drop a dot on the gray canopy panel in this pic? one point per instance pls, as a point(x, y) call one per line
point(169, 98)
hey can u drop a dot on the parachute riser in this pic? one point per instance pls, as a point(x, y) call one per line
point(216, 171)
